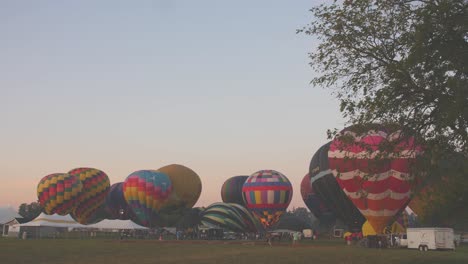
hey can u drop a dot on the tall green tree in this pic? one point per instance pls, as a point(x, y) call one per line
point(400, 62)
point(397, 61)
point(30, 211)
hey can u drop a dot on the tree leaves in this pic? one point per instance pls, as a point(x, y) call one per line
point(399, 61)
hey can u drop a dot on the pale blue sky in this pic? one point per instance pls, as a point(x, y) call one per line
point(219, 86)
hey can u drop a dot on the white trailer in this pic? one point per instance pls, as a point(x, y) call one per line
point(430, 238)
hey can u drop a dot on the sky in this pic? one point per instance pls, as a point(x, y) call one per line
point(222, 87)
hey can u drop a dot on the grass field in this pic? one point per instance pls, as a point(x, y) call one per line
point(66, 251)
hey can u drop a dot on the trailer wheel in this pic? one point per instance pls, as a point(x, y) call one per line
point(420, 248)
point(425, 248)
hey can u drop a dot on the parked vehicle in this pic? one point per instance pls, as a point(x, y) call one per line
point(430, 238)
point(229, 236)
point(307, 233)
point(403, 240)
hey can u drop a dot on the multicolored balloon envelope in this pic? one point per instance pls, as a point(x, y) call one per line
point(372, 164)
point(327, 188)
point(229, 216)
point(58, 192)
point(186, 189)
point(315, 204)
point(231, 192)
point(96, 185)
point(116, 207)
point(146, 191)
point(267, 194)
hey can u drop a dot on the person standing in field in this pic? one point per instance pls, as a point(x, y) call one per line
point(295, 238)
point(268, 237)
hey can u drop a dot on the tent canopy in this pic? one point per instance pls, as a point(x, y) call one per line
point(54, 220)
point(116, 224)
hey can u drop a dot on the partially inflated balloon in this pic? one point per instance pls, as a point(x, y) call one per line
point(315, 204)
point(186, 185)
point(267, 194)
point(250, 221)
point(228, 216)
point(116, 207)
point(395, 228)
point(58, 192)
point(186, 189)
point(96, 184)
point(231, 191)
point(146, 191)
point(327, 188)
point(372, 164)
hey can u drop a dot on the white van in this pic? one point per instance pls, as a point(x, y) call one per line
point(430, 238)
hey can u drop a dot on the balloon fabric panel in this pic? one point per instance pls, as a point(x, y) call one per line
point(379, 188)
point(186, 185)
point(314, 202)
point(96, 185)
point(231, 191)
point(267, 194)
point(115, 205)
point(58, 193)
point(327, 188)
point(145, 191)
point(229, 216)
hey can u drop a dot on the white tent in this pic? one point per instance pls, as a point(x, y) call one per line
point(47, 226)
point(117, 225)
point(54, 220)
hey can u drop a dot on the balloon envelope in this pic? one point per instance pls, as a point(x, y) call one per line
point(58, 192)
point(116, 207)
point(327, 188)
point(145, 191)
point(231, 191)
point(96, 184)
point(372, 166)
point(315, 204)
point(267, 194)
point(229, 216)
point(186, 189)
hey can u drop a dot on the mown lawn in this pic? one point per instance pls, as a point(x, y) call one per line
point(90, 251)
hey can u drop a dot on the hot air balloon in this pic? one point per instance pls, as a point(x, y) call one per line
point(96, 185)
point(372, 164)
point(315, 204)
point(327, 188)
point(58, 192)
point(186, 189)
point(250, 221)
point(267, 194)
point(231, 192)
point(228, 216)
point(146, 191)
point(116, 207)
